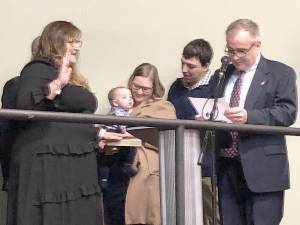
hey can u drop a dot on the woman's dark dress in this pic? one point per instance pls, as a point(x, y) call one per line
point(53, 173)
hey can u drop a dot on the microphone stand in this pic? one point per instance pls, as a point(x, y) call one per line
point(211, 136)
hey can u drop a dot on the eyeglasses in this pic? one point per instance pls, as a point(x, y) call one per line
point(146, 90)
point(77, 43)
point(239, 52)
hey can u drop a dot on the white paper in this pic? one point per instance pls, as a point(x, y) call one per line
point(204, 107)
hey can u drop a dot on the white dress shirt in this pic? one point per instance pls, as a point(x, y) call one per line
point(248, 77)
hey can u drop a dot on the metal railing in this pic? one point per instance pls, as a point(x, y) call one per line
point(162, 124)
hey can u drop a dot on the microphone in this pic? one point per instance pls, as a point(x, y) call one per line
point(224, 64)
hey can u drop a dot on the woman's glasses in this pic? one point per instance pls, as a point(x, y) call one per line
point(146, 90)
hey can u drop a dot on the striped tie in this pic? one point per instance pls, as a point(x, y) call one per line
point(234, 101)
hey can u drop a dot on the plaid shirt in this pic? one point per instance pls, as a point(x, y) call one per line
point(203, 81)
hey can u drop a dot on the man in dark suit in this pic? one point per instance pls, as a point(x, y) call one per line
point(254, 172)
point(8, 127)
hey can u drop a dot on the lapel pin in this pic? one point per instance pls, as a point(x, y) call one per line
point(262, 83)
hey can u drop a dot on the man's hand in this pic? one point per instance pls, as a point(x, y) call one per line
point(236, 115)
point(199, 117)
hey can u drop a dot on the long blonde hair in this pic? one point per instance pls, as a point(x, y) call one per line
point(52, 47)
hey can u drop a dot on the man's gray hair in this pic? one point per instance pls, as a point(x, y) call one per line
point(243, 24)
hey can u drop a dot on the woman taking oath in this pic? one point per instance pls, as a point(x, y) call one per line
point(53, 173)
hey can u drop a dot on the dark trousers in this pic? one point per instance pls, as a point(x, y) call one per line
point(115, 194)
point(125, 156)
point(238, 204)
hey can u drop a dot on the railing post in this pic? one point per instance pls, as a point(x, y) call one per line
point(179, 180)
point(167, 177)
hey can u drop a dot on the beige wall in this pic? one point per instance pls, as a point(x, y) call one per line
point(120, 34)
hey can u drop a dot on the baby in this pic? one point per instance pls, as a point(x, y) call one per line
point(121, 102)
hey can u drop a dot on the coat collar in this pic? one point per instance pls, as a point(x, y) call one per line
point(144, 104)
point(260, 79)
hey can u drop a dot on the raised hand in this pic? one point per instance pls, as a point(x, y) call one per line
point(65, 70)
point(63, 78)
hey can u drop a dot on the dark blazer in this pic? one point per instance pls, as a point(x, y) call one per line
point(178, 96)
point(8, 127)
point(271, 100)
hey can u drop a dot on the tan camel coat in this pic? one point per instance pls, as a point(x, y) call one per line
point(143, 195)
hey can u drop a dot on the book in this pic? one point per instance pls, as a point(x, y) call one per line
point(128, 142)
point(146, 134)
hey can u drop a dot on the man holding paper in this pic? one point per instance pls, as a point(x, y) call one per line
point(254, 172)
point(195, 61)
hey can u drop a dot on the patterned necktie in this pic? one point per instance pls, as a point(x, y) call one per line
point(234, 101)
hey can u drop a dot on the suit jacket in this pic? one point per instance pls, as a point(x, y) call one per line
point(271, 100)
point(8, 127)
point(178, 96)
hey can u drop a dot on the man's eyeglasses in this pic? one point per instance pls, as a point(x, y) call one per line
point(239, 52)
point(146, 90)
point(77, 43)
